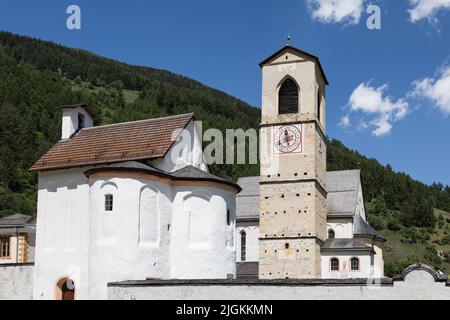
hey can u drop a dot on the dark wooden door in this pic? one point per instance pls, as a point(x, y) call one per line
point(68, 290)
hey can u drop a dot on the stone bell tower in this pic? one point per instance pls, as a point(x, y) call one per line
point(293, 166)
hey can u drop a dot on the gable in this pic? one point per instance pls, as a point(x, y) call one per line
point(294, 55)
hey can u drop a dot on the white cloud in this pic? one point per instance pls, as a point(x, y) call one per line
point(380, 109)
point(426, 9)
point(345, 121)
point(336, 11)
point(436, 89)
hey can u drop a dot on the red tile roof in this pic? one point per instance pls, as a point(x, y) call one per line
point(138, 140)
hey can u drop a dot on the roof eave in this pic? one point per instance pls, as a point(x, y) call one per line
point(264, 62)
point(87, 173)
point(85, 106)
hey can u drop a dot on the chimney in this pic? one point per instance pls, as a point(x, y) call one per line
point(74, 118)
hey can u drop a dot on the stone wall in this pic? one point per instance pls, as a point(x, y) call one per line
point(416, 282)
point(16, 281)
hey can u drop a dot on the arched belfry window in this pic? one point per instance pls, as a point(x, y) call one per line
point(288, 97)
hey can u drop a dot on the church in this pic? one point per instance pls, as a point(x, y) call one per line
point(136, 200)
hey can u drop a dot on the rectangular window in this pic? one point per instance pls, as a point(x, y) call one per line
point(4, 247)
point(108, 202)
point(228, 217)
point(81, 123)
point(243, 246)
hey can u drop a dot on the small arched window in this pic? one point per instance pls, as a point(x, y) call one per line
point(243, 245)
point(319, 104)
point(288, 97)
point(334, 264)
point(354, 264)
point(109, 202)
point(331, 234)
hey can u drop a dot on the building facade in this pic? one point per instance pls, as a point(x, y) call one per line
point(17, 239)
point(129, 201)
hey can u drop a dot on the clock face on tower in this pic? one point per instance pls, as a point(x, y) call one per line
point(288, 139)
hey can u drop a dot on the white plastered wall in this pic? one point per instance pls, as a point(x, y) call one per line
point(252, 241)
point(187, 150)
point(62, 232)
point(365, 265)
point(76, 237)
point(202, 243)
point(342, 227)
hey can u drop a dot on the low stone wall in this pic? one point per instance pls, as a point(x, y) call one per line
point(16, 281)
point(416, 282)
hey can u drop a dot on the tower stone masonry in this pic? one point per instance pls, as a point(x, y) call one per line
point(293, 166)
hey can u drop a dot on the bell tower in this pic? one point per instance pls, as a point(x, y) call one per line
point(293, 166)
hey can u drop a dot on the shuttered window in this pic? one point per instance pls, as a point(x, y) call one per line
point(288, 97)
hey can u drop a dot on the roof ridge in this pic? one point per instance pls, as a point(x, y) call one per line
point(191, 114)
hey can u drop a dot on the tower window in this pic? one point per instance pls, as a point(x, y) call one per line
point(228, 217)
point(319, 103)
point(243, 246)
point(354, 264)
point(288, 97)
point(109, 202)
point(81, 123)
point(4, 247)
point(334, 264)
point(331, 234)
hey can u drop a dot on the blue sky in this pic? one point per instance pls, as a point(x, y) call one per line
point(389, 93)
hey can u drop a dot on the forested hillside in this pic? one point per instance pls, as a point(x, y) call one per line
point(37, 76)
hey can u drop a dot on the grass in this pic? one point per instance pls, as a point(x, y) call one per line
point(409, 245)
point(129, 96)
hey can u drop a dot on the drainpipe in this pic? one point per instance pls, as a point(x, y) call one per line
point(17, 245)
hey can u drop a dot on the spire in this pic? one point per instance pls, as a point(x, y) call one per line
point(288, 39)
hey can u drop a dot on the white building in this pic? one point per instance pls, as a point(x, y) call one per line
point(129, 201)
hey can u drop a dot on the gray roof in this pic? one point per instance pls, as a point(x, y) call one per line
point(190, 172)
point(247, 201)
point(133, 165)
point(345, 244)
point(186, 173)
point(15, 220)
point(339, 181)
point(362, 228)
point(342, 186)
